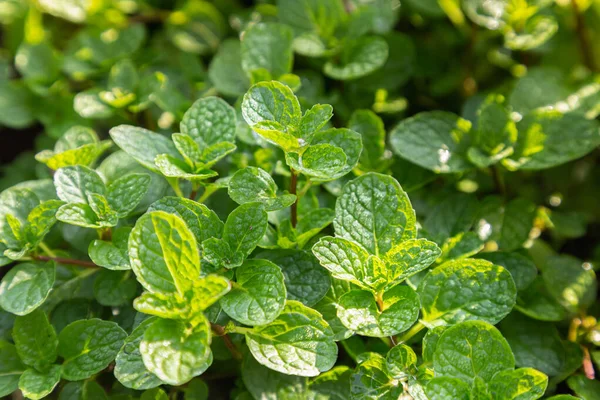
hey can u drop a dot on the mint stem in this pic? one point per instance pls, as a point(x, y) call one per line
point(582, 35)
point(69, 261)
point(220, 331)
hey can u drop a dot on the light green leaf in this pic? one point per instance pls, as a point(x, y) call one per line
point(40, 220)
point(202, 221)
point(167, 306)
point(298, 342)
point(520, 384)
point(129, 366)
point(472, 349)
point(26, 286)
point(188, 148)
point(207, 291)
point(176, 352)
point(141, 144)
point(314, 119)
point(375, 212)
point(88, 346)
point(253, 184)
point(319, 16)
point(359, 57)
point(401, 361)
point(372, 131)
point(173, 167)
point(112, 255)
point(36, 385)
point(348, 261)
point(106, 215)
point(267, 46)
point(75, 183)
point(322, 162)
point(465, 290)
point(89, 105)
point(397, 311)
point(370, 380)
point(245, 227)
point(434, 140)
point(535, 32)
point(208, 121)
point(446, 388)
point(258, 296)
point(328, 308)
point(163, 253)
point(218, 253)
point(125, 193)
point(35, 340)
point(410, 257)
point(80, 214)
point(463, 245)
point(213, 154)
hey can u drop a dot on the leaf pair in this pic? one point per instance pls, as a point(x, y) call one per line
point(92, 204)
point(273, 111)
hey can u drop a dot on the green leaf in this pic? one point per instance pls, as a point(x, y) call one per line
point(253, 184)
point(106, 215)
point(40, 220)
point(375, 212)
point(455, 214)
point(125, 193)
point(550, 138)
point(213, 154)
point(258, 296)
point(88, 346)
point(112, 255)
point(535, 32)
point(584, 387)
point(521, 268)
point(465, 290)
point(267, 46)
point(176, 352)
point(372, 131)
point(522, 384)
point(472, 349)
point(202, 221)
point(273, 111)
point(298, 342)
point(348, 261)
point(163, 253)
point(35, 340)
point(26, 286)
point(167, 306)
point(11, 368)
point(173, 167)
point(154, 394)
point(536, 302)
point(225, 70)
point(401, 360)
point(75, 183)
point(264, 383)
point(397, 311)
point(36, 385)
point(80, 215)
point(209, 120)
point(359, 57)
point(114, 288)
point(207, 291)
point(314, 119)
point(435, 140)
point(572, 284)
point(333, 384)
point(370, 380)
point(445, 388)
point(16, 104)
point(305, 280)
point(410, 257)
point(328, 308)
point(319, 16)
point(83, 390)
point(130, 370)
point(463, 245)
point(244, 228)
point(141, 144)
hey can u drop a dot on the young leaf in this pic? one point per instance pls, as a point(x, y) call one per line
point(397, 311)
point(253, 184)
point(129, 366)
point(522, 383)
point(465, 290)
point(244, 228)
point(209, 121)
point(75, 183)
point(36, 385)
point(143, 145)
point(410, 257)
point(88, 346)
point(371, 380)
point(314, 119)
point(163, 253)
point(267, 46)
point(26, 286)
point(375, 212)
point(176, 352)
point(297, 342)
point(125, 193)
point(35, 340)
point(112, 255)
point(258, 296)
point(358, 58)
point(472, 349)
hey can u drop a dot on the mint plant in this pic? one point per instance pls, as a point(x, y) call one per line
point(300, 199)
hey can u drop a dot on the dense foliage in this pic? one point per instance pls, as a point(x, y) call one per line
point(300, 199)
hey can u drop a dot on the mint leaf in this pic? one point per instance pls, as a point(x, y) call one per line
point(573, 286)
point(125, 193)
point(522, 383)
point(410, 257)
point(11, 368)
point(112, 255)
point(314, 119)
point(75, 183)
point(176, 352)
point(401, 360)
point(225, 70)
point(163, 253)
point(359, 57)
point(372, 131)
point(258, 296)
point(371, 380)
point(209, 121)
point(267, 46)
point(297, 342)
point(446, 388)
point(88, 346)
point(465, 290)
point(244, 228)
point(375, 212)
point(266, 383)
point(36, 385)
point(141, 144)
point(129, 366)
point(470, 350)
point(35, 340)
point(434, 140)
point(521, 268)
point(253, 184)
point(395, 312)
point(26, 286)
point(114, 288)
